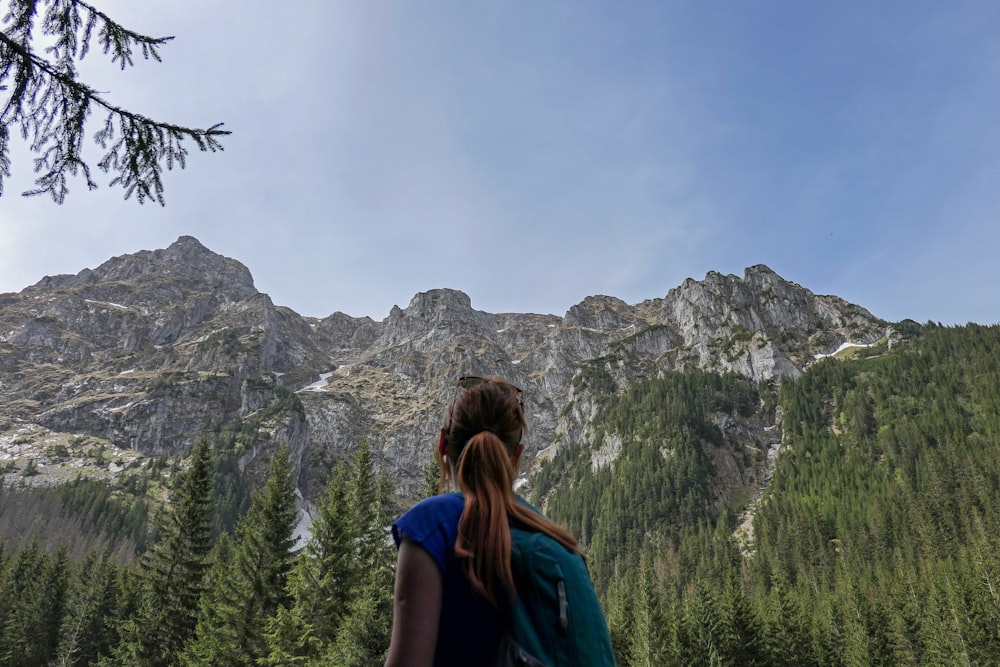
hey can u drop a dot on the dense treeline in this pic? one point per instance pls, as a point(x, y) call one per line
point(83, 515)
point(876, 543)
point(663, 430)
point(199, 597)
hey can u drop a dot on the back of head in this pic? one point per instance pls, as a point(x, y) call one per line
point(490, 406)
point(482, 436)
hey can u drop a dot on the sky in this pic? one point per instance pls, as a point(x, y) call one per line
point(532, 154)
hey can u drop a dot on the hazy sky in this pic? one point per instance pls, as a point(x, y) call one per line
point(534, 153)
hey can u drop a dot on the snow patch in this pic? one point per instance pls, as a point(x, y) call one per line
point(107, 303)
point(303, 527)
point(843, 346)
point(320, 384)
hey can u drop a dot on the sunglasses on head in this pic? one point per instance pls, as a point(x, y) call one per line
point(470, 381)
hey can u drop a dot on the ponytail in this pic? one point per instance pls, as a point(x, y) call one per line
point(485, 479)
point(484, 428)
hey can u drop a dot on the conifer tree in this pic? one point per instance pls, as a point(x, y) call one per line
point(289, 638)
point(384, 553)
point(322, 582)
point(787, 635)
point(173, 571)
point(364, 503)
point(619, 609)
point(702, 628)
point(47, 103)
point(25, 566)
point(89, 629)
point(256, 586)
point(741, 631)
point(650, 641)
point(31, 633)
point(7, 598)
point(208, 646)
point(432, 475)
point(363, 635)
point(328, 569)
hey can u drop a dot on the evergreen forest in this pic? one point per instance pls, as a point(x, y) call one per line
point(876, 540)
point(200, 594)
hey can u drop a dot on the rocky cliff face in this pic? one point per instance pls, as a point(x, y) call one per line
point(152, 351)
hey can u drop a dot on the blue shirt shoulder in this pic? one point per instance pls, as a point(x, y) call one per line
point(433, 524)
point(468, 628)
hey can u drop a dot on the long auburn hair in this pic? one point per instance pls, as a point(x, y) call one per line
point(482, 432)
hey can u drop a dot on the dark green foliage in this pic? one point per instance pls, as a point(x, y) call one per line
point(233, 484)
point(363, 636)
point(212, 635)
point(876, 542)
point(322, 583)
point(432, 476)
point(256, 585)
point(252, 600)
point(370, 497)
point(173, 571)
point(231, 495)
point(90, 623)
point(49, 106)
point(741, 632)
point(659, 482)
point(35, 597)
point(594, 376)
point(84, 514)
point(341, 587)
point(326, 575)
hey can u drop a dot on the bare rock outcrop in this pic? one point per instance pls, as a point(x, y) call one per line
point(154, 350)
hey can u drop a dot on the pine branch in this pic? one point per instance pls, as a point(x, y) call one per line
point(51, 106)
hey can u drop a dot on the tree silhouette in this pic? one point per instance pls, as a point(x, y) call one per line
point(50, 106)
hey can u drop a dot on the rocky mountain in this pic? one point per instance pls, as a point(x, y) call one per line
point(150, 352)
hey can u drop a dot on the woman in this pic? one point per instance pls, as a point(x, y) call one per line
point(454, 575)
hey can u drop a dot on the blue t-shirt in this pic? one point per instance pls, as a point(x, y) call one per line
point(468, 631)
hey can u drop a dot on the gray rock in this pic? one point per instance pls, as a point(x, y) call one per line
point(155, 350)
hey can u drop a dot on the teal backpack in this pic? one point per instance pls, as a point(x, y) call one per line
point(557, 619)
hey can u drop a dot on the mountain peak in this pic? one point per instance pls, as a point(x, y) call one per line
point(188, 245)
point(433, 303)
point(758, 270)
point(187, 262)
point(601, 312)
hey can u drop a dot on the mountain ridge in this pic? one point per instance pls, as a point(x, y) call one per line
point(151, 351)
